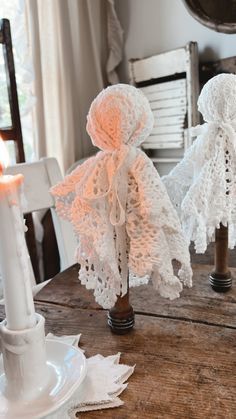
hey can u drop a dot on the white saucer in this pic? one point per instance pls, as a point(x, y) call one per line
point(68, 368)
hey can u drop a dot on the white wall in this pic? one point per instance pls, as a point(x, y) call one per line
point(154, 26)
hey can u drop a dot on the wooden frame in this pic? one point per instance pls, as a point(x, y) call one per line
point(170, 82)
point(14, 132)
point(217, 15)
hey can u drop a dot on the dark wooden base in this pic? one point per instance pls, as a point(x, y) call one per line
point(121, 316)
point(220, 279)
point(120, 327)
point(220, 282)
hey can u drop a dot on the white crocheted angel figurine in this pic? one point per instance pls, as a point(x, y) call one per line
point(202, 186)
point(120, 210)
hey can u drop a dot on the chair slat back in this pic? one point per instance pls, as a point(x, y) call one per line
point(169, 104)
point(36, 185)
point(39, 177)
point(170, 82)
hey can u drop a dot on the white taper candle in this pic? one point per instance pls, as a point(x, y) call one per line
point(14, 257)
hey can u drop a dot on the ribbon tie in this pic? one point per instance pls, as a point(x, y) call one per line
point(115, 166)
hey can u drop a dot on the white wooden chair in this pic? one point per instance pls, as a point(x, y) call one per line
point(171, 83)
point(38, 179)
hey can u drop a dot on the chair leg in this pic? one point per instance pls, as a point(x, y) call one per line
point(31, 244)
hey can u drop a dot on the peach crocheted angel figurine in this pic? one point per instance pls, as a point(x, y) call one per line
point(121, 213)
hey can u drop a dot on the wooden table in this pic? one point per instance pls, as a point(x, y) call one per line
point(184, 350)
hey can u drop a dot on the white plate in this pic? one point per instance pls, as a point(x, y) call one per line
point(68, 368)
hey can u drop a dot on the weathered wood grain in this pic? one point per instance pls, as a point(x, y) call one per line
point(166, 141)
point(183, 370)
point(199, 304)
point(66, 290)
point(165, 160)
point(168, 103)
point(171, 129)
point(173, 111)
point(166, 94)
point(157, 66)
point(169, 85)
point(184, 350)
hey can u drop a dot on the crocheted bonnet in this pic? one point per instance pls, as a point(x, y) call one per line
point(203, 185)
point(120, 211)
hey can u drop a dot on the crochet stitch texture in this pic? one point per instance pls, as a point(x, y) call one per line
point(202, 186)
point(119, 208)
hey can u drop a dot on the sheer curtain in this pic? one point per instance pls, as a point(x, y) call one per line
point(76, 46)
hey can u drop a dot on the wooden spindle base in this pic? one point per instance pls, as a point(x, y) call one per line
point(121, 316)
point(220, 283)
point(220, 279)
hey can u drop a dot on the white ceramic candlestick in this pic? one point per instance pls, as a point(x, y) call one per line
point(33, 368)
point(14, 257)
point(22, 332)
point(24, 358)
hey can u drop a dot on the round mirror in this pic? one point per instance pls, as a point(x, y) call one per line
point(219, 15)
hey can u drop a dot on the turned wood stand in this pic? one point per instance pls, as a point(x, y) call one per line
point(220, 279)
point(121, 316)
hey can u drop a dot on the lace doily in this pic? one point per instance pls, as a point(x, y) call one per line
point(119, 208)
point(202, 186)
point(105, 380)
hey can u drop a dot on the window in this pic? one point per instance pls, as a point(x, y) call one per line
point(14, 10)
